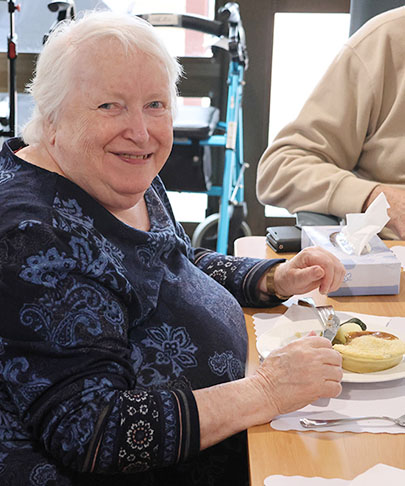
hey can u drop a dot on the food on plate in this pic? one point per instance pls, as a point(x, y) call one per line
point(352, 325)
point(368, 351)
point(355, 320)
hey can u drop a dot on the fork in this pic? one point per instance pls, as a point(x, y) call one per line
point(308, 423)
point(330, 321)
point(326, 315)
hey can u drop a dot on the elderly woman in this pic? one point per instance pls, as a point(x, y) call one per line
point(122, 349)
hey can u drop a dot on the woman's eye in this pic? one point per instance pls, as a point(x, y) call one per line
point(156, 105)
point(106, 106)
point(113, 108)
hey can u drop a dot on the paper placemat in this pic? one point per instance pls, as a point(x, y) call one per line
point(375, 476)
point(356, 399)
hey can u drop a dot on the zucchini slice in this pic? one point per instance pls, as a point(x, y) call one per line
point(355, 320)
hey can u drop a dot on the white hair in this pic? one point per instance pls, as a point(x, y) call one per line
point(50, 85)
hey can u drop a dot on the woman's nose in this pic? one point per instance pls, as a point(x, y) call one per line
point(136, 128)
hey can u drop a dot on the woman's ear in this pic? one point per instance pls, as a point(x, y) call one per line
point(50, 131)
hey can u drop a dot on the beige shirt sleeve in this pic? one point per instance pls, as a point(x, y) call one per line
point(309, 166)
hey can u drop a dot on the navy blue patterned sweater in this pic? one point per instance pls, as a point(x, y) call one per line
point(104, 332)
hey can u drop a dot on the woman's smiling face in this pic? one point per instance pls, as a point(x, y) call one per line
point(114, 132)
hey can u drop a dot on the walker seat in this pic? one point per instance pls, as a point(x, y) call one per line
point(196, 122)
point(189, 167)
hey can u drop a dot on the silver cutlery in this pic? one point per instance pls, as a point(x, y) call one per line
point(308, 423)
point(326, 315)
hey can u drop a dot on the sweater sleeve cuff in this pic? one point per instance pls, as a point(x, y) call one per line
point(350, 195)
point(189, 445)
point(251, 284)
point(157, 428)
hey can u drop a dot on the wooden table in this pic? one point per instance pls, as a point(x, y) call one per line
point(325, 454)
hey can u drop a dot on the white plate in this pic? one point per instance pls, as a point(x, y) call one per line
point(282, 334)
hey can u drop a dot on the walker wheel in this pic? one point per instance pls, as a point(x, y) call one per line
point(206, 234)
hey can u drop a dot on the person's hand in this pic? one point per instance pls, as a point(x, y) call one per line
point(299, 373)
point(290, 378)
point(311, 268)
point(396, 199)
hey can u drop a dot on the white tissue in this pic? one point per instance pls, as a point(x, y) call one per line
point(361, 227)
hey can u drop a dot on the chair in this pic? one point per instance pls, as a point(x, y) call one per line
point(207, 155)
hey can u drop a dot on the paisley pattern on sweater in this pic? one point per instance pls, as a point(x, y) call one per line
point(106, 330)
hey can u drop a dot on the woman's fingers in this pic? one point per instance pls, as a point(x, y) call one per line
point(301, 372)
point(311, 268)
point(332, 269)
point(331, 389)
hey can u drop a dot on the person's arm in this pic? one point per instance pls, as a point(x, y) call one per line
point(240, 275)
point(292, 376)
point(312, 268)
point(258, 282)
point(309, 165)
point(396, 199)
point(67, 362)
point(289, 379)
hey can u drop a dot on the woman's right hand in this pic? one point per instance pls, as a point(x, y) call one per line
point(290, 378)
point(299, 373)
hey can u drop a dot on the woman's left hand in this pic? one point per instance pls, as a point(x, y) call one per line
point(311, 268)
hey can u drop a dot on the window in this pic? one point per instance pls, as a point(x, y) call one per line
point(179, 41)
point(299, 65)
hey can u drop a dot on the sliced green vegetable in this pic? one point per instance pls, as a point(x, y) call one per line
point(352, 325)
point(344, 330)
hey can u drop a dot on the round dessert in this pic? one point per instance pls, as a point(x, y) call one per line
point(369, 351)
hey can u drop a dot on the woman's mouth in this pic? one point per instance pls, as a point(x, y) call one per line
point(134, 156)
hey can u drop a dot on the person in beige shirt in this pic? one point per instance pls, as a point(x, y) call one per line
point(347, 144)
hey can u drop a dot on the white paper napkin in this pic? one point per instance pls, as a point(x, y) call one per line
point(279, 480)
point(380, 474)
point(263, 322)
point(375, 476)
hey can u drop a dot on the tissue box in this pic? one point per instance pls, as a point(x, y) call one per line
point(374, 273)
